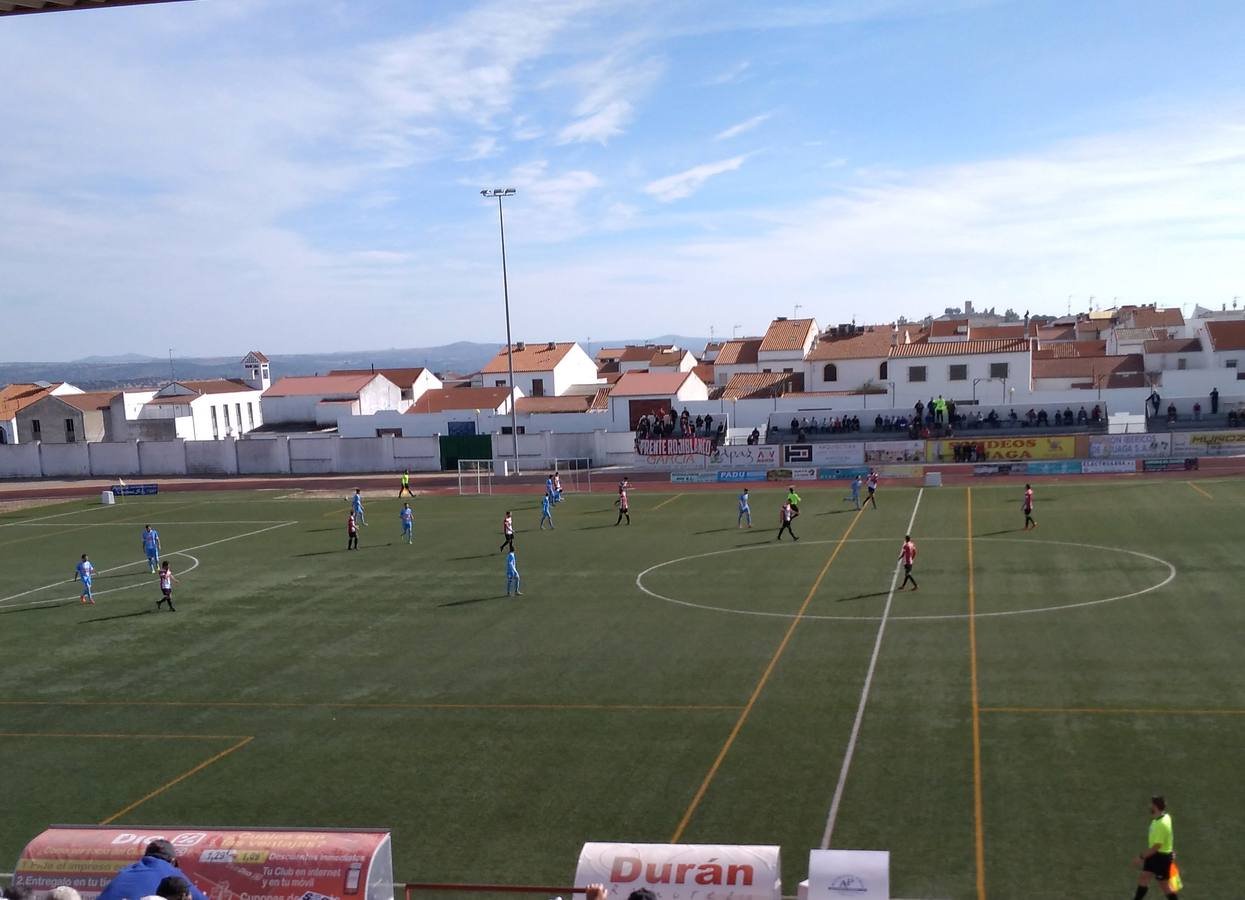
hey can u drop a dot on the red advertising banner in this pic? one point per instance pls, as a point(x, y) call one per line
point(226, 864)
point(688, 446)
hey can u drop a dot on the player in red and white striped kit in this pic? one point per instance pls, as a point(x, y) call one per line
point(907, 553)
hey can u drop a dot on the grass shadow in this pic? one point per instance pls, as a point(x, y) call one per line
point(471, 601)
point(863, 596)
point(1000, 531)
point(143, 612)
point(22, 609)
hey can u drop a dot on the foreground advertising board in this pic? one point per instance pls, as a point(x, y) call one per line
point(750, 456)
point(861, 874)
point(743, 475)
point(693, 477)
point(674, 871)
point(824, 453)
point(134, 490)
point(1053, 467)
point(226, 864)
point(1005, 449)
point(1105, 466)
point(1129, 446)
point(1208, 443)
point(895, 451)
point(1169, 465)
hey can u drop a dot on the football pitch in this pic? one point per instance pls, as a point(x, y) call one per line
point(999, 731)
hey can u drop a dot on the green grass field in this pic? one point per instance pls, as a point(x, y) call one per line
point(398, 686)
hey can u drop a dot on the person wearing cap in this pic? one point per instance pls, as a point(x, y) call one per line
point(143, 878)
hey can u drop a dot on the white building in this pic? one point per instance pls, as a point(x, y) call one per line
point(541, 370)
point(844, 362)
point(645, 393)
point(191, 410)
point(16, 397)
point(413, 382)
point(1225, 343)
point(318, 400)
point(736, 357)
point(786, 344)
point(988, 371)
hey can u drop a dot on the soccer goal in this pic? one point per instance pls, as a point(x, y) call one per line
point(575, 472)
point(475, 476)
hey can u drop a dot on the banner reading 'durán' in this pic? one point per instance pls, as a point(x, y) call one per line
point(683, 871)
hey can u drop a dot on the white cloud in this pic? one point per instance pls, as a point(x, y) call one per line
point(685, 183)
point(741, 127)
point(482, 148)
point(611, 86)
point(730, 75)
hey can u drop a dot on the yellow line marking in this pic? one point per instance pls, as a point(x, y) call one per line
point(277, 704)
point(97, 734)
point(667, 500)
point(1205, 493)
point(1105, 711)
point(978, 834)
point(178, 780)
point(760, 686)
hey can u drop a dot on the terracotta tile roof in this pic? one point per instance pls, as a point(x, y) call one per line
point(959, 348)
point(16, 397)
point(944, 328)
point(636, 354)
point(569, 403)
point(463, 398)
point(1149, 317)
point(994, 332)
point(872, 343)
point(310, 385)
point(1088, 366)
point(787, 335)
point(217, 386)
point(610, 377)
point(667, 358)
point(650, 384)
point(704, 371)
point(1174, 345)
point(259, 357)
point(749, 385)
point(90, 401)
point(741, 352)
point(1226, 335)
point(404, 378)
point(1068, 349)
point(1056, 332)
point(607, 368)
point(609, 353)
point(173, 400)
point(532, 358)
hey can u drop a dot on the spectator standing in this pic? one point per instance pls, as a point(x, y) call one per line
point(142, 879)
point(1214, 401)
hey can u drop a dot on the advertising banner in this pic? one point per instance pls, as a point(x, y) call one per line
point(1006, 449)
point(995, 469)
point(671, 871)
point(134, 490)
point(226, 864)
point(841, 473)
point(757, 456)
point(1129, 446)
point(902, 471)
point(1169, 465)
point(1054, 467)
point(894, 451)
point(742, 475)
point(1208, 443)
point(860, 874)
point(693, 477)
point(687, 446)
point(824, 453)
point(1103, 466)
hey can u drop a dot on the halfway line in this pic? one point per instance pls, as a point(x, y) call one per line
point(756, 692)
point(864, 695)
point(667, 500)
point(1205, 493)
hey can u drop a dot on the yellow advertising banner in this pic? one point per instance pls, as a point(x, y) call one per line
point(1010, 448)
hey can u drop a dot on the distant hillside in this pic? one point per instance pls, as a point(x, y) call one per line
point(134, 370)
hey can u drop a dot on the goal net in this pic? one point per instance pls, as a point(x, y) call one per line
point(475, 476)
point(575, 472)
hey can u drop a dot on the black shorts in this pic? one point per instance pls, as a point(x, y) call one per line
point(907, 569)
point(1159, 865)
point(167, 592)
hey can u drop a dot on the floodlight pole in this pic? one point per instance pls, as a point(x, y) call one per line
point(505, 287)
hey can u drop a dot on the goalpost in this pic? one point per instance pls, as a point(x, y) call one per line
point(475, 476)
point(575, 472)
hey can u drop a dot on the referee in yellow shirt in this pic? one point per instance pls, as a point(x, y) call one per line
point(1156, 860)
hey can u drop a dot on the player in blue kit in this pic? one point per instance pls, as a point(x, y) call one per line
point(151, 546)
point(512, 574)
point(356, 506)
point(85, 572)
point(857, 483)
point(546, 514)
point(407, 515)
point(745, 512)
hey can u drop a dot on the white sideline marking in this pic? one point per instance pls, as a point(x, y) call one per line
point(864, 694)
point(4, 601)
point(154, 520)
point(1171, 575)
point(72, 512)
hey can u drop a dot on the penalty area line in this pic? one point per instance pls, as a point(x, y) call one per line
point(837, 799)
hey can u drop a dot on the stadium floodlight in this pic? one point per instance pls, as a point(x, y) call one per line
point(489, 193)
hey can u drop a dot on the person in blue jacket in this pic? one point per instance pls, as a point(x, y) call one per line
point(141, 879)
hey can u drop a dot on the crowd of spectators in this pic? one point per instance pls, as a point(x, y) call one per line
point(666, 424)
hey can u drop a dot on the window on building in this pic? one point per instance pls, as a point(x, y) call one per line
point(767, 371)
point(36, 430)
point(500, 382)
point(225, 410)
point(916, 373)
point(1182, 363)
point(830, 372)
point(215, 427)
point(958, 373)
point(538, 387)
point(883, 370)
point(1230, 363)
point(69, 432)
point(250, 414)
point(237, 407)
point(998, 370)
point(788, 371)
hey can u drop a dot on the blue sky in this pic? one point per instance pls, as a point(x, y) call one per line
point(303, 176)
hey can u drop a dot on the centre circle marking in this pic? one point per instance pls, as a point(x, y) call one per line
point(1171, 575)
